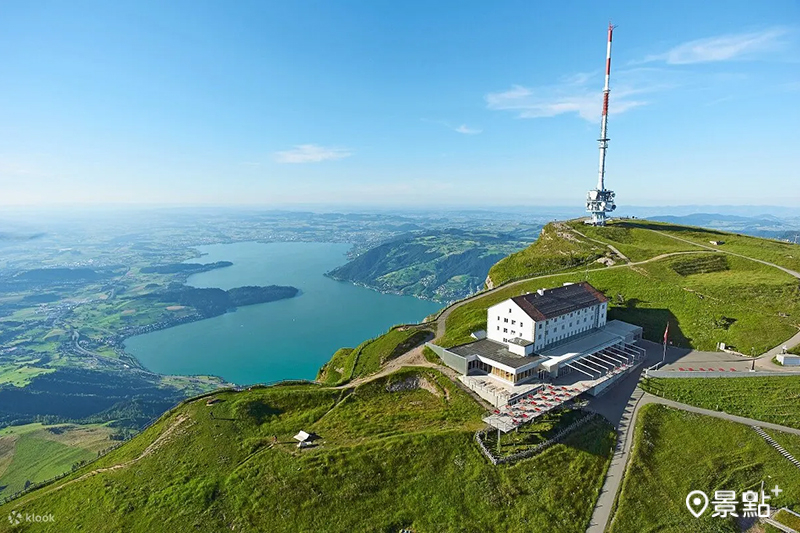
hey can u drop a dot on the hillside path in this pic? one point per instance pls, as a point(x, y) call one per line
point(718, 249)
point(442, 318)
point(601, 518)
point(764, 361)
point(612, 248)
point(157, 443)
point(632, 398)
point(412, 357)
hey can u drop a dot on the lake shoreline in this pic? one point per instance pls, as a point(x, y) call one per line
point(288, 340)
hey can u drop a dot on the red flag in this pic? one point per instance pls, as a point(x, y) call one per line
point(666, 333)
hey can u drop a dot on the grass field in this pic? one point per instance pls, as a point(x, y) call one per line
point(20, 375)
point(676, 452)
point(636, 242)
point(367, 358)
point(34, 452)
point(789, 442)
point(339, 365)
point(392, 456)
point(640, 239)
point(750, 306)
point(557, 249)
point(779, 252)
point(788, 519)
point(771, 399)
point(529, 435)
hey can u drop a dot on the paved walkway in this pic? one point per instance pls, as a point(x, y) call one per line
point(601, 517)
point(649, 398)
point(619, 406)
point(765, 361)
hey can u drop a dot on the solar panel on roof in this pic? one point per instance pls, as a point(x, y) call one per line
point(559, 301)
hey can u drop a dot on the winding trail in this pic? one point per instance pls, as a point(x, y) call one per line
point(632, 398)
point(602, 516)
point(620, 404)
point(156, 444)
point(612, 248)
point(441, 320)
point(763, 361)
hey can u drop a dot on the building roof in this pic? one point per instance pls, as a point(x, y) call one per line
point(495, 351)
point(579, 347)
point(559, 301)
point(302, 436)
point(519, 341)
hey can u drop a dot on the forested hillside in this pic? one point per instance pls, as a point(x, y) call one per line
point(441, 266)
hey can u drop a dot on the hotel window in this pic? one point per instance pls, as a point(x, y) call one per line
point(513, 332)
point(509, 310)
point(513, 322)
point(498, 328)
point(505, 330)
point(520, 324)
point(498, 317)
point(505, 320)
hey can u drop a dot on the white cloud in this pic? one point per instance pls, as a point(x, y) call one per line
point(723, 47)
point(572, 96)
point(467, 130)
point(311, 153)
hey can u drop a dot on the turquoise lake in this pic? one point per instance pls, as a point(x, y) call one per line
point(286, 339)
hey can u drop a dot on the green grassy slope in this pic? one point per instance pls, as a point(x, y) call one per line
point(442, 265)
point(557, 249)
point(367, 358)
point(35, 453)
point(779, 252)
point(393, 456)
point(771, 399)
point(676, 452)
point(642, 239)
point(635, 242)
point(749, 306)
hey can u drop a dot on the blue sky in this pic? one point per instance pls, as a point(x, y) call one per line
point(397, 103)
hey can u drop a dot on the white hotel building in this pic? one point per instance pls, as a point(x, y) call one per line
point(542, 337)
point(532, 322)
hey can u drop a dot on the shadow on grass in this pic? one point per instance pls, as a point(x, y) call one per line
point(596, 437)
point(257, 410)
point(653, 322)
point(666, 227)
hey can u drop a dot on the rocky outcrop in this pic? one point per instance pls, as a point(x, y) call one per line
point(413, 383)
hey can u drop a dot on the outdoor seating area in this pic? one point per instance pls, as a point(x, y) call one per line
point(495, 392)
point(567, 386)
point(533, 405)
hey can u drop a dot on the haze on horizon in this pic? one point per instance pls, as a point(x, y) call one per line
point(304, 103)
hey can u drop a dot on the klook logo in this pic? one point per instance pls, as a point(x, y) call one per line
point(15, 518)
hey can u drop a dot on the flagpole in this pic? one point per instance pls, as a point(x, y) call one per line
point(666, 334)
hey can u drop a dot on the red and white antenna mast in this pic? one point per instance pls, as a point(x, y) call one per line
point(601, 201)
point(604, 119)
